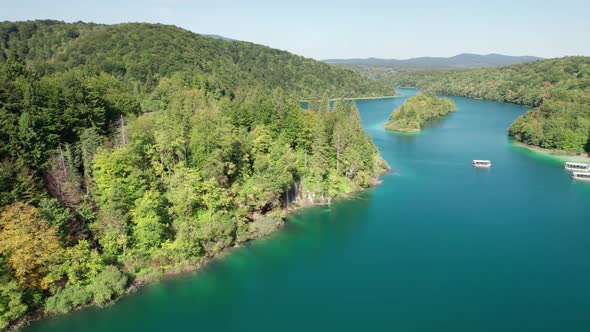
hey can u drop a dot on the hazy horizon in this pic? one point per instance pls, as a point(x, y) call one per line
point(348, 29)
point(434, 56)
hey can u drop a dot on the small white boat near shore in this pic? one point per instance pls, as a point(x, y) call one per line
point(481, 163)
point(581, 176)
point(577, 167)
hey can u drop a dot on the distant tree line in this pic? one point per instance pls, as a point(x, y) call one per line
point(558, 89)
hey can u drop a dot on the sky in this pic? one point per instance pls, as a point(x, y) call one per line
point(350, 29)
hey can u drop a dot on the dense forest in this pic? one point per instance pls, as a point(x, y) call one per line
point(143, 53)
point(559, 89)
point(413, 114)
point(132, 151)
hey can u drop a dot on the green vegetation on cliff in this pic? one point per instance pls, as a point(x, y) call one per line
point(559, 89)
point(417, 110)
point(131, 151)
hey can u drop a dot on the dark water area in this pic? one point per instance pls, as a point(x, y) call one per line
point(438, 246)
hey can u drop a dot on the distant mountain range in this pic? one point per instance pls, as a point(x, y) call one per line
point(219, 37)
point(464, 60)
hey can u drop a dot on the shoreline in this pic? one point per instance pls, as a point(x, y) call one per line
point(369, 98)
point(357, 98)
point(136, 285)
point(554, 154)
point(404, 132)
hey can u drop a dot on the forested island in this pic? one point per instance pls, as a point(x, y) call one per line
point(132, 151)
point(417, 110)
point(559, 89)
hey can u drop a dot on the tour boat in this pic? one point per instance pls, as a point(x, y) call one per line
point(582, 176)
point(577, 167)
point(482, 163)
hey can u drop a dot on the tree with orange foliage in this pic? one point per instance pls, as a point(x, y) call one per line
point(28, 242)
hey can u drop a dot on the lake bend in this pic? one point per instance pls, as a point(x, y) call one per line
point(438, 246)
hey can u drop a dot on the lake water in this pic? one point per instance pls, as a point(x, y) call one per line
point(439, 246)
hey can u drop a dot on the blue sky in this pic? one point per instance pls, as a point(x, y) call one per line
point(346, 29)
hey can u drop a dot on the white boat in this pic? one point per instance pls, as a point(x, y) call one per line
point(481, 163)
point(577, 167)
point(582, 176)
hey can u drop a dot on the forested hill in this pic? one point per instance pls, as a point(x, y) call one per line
point(558, 88)
point(132, 151)
point(144, 53)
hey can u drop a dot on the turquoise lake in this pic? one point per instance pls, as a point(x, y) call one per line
point(438, 246)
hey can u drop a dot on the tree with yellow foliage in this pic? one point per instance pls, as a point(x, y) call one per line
point(28, 242)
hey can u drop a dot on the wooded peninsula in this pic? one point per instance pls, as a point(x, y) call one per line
point(131, 151)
